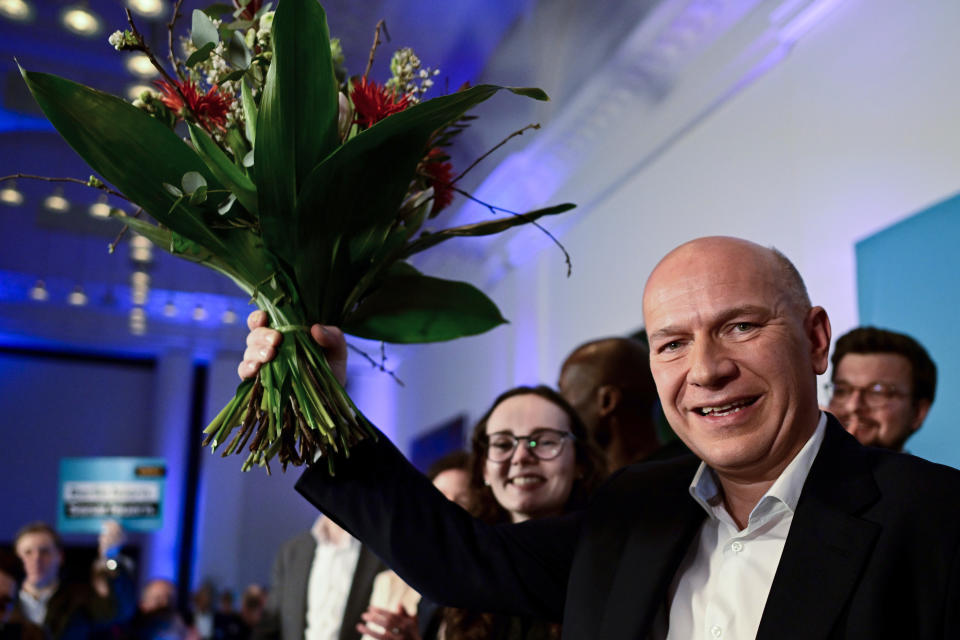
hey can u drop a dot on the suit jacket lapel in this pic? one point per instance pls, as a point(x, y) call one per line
point(298, 583)
point(827, 545)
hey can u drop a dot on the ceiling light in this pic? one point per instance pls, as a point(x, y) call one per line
point(141, 249)
point(147, 8)
point(134, 91)
point(100, 208)
point(170, 309)
point(39, 291)
point(77, 297)
point(11, 195)
point(139, 65)
point(16, 9)
point(199, 313)
point(81, 20)
point(138, 321)
point(229, 317)
point(56, 202)
point(139, 287)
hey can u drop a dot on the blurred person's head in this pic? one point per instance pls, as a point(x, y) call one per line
point(532, 457)
point(8, 595)
point(41, 551)
point(226, 601)
point(883, 384)
point(158, 594)
point(203, 598)
point(252, 602)
point(608, 382)
point(451, 475)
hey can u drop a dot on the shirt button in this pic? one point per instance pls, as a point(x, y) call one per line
point(737, 547)
point(716, 631)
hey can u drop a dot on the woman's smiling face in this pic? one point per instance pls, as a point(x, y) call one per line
point(526, 486)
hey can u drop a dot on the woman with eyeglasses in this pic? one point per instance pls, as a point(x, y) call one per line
point(531, 458)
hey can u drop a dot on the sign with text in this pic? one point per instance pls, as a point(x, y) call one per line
point(129, 490)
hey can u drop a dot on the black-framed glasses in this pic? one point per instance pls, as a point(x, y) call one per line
point(875, 395)
point(545, 444)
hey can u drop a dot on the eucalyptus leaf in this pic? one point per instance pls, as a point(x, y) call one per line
point(201, 54)
point(174, 191)
point(202, 30)
point(237, 53)
point(199, 196)
point(191, 181)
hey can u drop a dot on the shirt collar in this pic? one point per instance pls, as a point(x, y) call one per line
point(327, 533)
point(705, 489)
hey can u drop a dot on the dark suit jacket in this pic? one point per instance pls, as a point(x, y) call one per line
point(285, 614)
point(873, 551)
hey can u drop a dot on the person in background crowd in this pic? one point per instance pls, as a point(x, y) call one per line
point(157, 617)
point(158, 593)
point(71, 610)
point(201, 615)
point(321, 584)
point(251, 605)
point(12, 625)
point(608, 382)
point(882, 386)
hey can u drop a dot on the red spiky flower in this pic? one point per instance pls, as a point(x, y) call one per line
point(210, 108)
point(439, 173)
point(373, 102)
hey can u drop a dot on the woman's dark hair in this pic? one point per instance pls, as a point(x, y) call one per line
point(462, 624)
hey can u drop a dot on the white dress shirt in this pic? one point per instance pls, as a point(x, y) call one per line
point(721, 587)
point(331, 575)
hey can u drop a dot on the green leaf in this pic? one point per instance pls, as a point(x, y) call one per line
point(192, 180)
point(237, 53)
point(249, 114)
point(130, 149)
point(487, 228)
point(201, 54)
point(224, 169)
point(531, 92)
point(337, 201)
point(199, 196)
point(203, 31)
point(409, 307)
point(297, 121)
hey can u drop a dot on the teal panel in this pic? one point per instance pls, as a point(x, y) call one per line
point(908, 280)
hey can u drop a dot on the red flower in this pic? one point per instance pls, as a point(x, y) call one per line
point(249, 10)
point(210, 108)
point(439, 176)
point(372, 102)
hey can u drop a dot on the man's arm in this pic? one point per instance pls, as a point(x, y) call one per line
point(434, 545)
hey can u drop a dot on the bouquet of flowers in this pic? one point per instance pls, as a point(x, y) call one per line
point(305, 186)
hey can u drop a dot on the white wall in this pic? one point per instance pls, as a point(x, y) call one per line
point(852, 131)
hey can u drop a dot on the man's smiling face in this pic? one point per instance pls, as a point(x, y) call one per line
point(735, 354)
